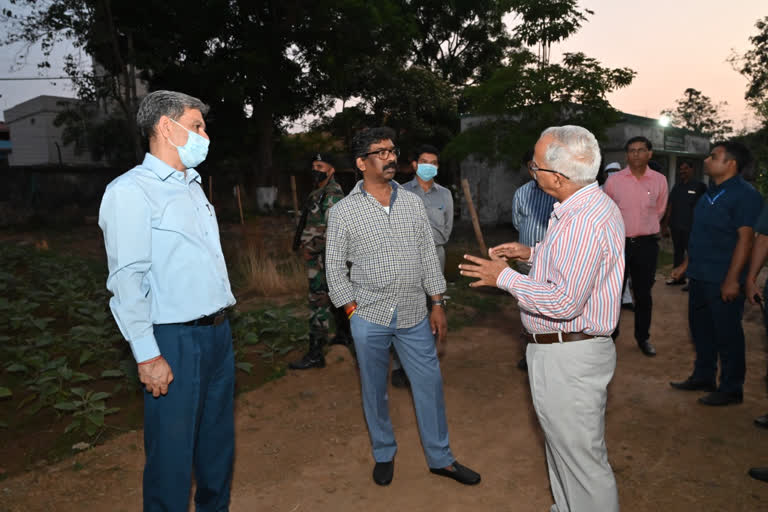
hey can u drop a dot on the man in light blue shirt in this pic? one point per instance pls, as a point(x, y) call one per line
point(170, 291)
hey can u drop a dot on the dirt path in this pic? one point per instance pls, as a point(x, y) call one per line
point(302, 444)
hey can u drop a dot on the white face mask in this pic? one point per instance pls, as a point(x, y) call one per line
point(192, 153)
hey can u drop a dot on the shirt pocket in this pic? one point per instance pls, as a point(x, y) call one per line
point(179, 216)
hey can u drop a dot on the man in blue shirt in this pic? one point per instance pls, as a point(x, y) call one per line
point(170, 292)
point(755, 296)
point(718, 251)
point(531, 209)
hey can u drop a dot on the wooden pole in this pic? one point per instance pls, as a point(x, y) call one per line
point(296, 212)
point(240, 205)
point(210, 189)
point(473, 214)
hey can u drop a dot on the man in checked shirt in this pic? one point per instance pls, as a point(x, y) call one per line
point(569, 303)
point(383, 230)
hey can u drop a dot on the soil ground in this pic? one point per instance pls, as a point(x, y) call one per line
point(302, 443)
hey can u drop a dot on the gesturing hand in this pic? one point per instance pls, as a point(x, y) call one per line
point(156, 376)
point(512, 250)
point(486, 271)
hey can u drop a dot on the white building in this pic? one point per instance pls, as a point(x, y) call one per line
point(36, 141)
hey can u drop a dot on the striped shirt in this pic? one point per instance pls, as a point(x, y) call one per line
point(531, 208)
point(578, 269)
point(393, 256)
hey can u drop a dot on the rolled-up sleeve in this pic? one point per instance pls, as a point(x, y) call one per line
point(340, 287)
point(125, 219)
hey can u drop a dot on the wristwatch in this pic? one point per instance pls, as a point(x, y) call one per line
point(440, 302)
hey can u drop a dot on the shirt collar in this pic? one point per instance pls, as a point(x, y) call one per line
point(358, 189)
point(733, 180)
point(164, 171)
point(573, 202)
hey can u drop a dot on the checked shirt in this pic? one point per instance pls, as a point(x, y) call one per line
point(393, 257)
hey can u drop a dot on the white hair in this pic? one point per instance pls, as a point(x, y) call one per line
point(574, 152)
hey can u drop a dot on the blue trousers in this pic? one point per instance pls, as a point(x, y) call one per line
point(193, 425)
point(418, 355)
point(716, 330)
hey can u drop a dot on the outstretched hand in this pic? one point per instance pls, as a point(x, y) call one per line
point(513, 250)
point(485, 271)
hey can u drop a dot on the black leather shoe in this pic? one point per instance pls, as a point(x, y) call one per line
point(461, 474)
point(647, 348)
point(522, 365)
point(310, 360)
point(383, 472)
point(691, 384)
point(400, 379)
point(762, 421)
point(759, 474)
point(718, 398)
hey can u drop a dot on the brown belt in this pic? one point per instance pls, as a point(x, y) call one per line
point(553, 337)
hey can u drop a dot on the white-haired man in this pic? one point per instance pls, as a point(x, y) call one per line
point(569, 304)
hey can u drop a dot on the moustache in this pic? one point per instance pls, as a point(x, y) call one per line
point(391, 165)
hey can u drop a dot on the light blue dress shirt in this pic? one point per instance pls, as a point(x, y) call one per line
point(163, 252)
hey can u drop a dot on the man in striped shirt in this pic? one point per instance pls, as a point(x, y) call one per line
point(569, 303)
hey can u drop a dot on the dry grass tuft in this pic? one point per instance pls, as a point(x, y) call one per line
point(269, 274)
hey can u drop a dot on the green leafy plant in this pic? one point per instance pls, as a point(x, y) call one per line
point(88, 410)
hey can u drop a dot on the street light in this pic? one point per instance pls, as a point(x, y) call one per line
point(664, 121)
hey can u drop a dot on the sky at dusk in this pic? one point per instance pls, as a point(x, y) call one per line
point(671, 44)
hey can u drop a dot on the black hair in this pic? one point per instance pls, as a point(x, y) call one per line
point(527, 157)
point(736, 151)
point(639, 138)
point(425, 148)
point(361, 142)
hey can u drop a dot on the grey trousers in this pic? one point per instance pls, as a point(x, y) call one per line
point(569, 388)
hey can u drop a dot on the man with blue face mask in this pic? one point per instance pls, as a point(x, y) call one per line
point(437, 199)
point(170, 295)
point(438, 202)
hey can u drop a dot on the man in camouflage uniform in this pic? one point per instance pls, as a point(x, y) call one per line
point(310, 239)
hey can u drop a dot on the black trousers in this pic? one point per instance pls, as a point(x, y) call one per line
point(717, 332)
point(680, 243)
point(642, 254)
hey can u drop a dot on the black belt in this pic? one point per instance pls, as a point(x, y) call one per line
point(216, 318)
point(553, 337)
point(642, 238)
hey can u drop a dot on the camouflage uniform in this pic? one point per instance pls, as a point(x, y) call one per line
point(313, 248)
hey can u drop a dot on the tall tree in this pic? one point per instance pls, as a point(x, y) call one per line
point(547, 22)
point(526, 96)
point(754, 65)
point(698, 113)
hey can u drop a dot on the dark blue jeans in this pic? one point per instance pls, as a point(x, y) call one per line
point(193, 425)
point(717, 332)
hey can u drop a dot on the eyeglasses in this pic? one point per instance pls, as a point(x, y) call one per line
point(535, 168)
point(637, 151)
point(383, 154)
